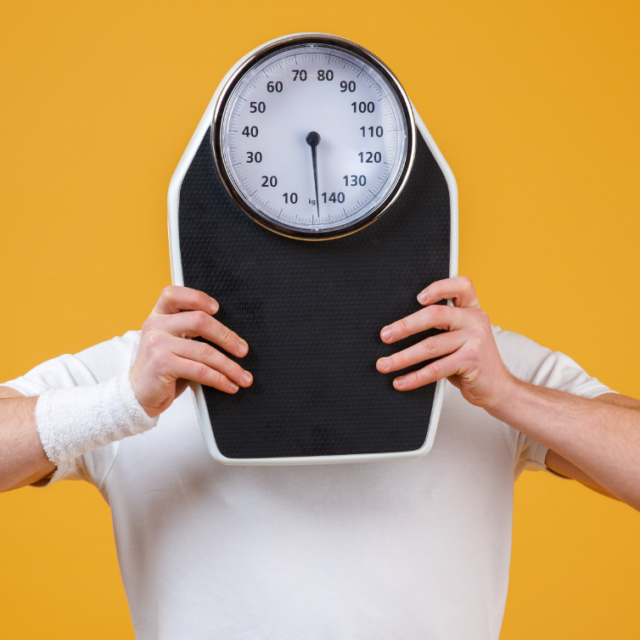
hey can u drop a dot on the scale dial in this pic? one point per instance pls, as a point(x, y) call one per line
point(313, 137)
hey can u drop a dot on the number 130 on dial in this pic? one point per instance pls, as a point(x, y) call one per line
point(314, 137)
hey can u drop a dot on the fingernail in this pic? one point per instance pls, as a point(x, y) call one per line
point(383, 363)
point(423, 297)
point(398, 383)
point(214, 307)
point(247, 378)
point(243, 347)
point(234, 387)
point(386, 333)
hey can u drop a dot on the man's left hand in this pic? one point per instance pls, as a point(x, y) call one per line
point(466, 354)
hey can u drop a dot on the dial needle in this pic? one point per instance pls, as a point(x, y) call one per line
point(313, 140)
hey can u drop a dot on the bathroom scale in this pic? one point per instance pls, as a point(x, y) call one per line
point(313, 204)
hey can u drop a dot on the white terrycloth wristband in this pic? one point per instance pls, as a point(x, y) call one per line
point(79, 419)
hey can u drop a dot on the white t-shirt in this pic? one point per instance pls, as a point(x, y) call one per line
point(411, 549)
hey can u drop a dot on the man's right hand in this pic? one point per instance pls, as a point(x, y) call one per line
point(167, 358)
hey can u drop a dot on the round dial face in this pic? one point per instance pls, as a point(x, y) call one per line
point(314, 140)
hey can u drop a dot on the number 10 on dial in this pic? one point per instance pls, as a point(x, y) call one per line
point(313, 137)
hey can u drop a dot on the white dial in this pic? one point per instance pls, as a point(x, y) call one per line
point(315, 139)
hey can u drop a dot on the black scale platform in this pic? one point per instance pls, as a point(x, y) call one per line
point(312, 313)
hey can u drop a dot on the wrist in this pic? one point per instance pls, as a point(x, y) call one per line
point(504, 402)
point(138, 390)
point(76, 420)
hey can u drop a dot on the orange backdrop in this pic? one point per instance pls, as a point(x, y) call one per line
point(534, 105)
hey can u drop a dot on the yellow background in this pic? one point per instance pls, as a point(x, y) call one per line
point(536, 108)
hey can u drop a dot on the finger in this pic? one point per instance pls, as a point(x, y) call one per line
point(436, 370)
point(196, 324)
point(206, 354)
point(433, 317)
point(427, 349)
point(174, 299)
point(201, 373)
point(458, 289)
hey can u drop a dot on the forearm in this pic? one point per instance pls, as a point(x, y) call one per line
point(59, 426)
point(22, 458)
point(600, 438)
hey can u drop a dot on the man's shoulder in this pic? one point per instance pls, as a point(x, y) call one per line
point(111, 357)
point(125, 345)
point(522, 356)
point(533, 363)
point(96, 364)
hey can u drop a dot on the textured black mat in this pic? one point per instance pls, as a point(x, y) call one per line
point(311, 313)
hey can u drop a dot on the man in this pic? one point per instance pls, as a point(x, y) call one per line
point(413, 548)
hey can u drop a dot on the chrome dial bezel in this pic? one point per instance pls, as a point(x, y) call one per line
point(269, 50)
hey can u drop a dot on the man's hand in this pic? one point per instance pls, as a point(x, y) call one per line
point(596, 442)
point(167, 358)
point(467, 354)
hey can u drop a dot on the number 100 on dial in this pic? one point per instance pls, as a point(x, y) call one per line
point(313, 139)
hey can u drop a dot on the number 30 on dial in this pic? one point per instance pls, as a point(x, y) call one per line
point(313, 137)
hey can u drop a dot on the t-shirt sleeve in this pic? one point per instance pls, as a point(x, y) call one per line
point(538, 365)
point(91, 366)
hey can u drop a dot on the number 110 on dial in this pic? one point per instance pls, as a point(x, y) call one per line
point(315, 139)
